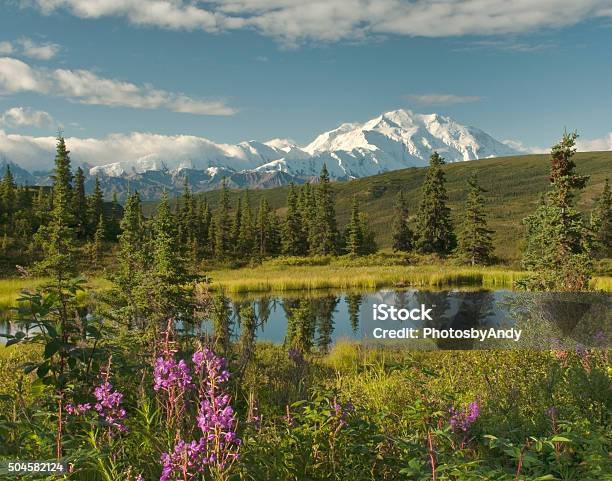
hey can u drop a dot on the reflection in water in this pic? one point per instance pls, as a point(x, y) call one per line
point(316, 320)
point(353, 302)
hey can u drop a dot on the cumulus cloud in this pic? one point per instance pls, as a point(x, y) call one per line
point(6, 48)
point(25, 116)
point(443, 99)
point(27, 47)
point(583, 145)
point(294, 21)
point(146, 150)
point(525, 149)
point(41, 51)
point(86, 87)
point(601, 143)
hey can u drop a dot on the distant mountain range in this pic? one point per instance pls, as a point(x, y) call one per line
point(391, 141)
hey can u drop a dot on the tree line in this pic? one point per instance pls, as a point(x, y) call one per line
point(309, 227)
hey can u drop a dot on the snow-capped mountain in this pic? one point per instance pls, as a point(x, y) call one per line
point(391, 141)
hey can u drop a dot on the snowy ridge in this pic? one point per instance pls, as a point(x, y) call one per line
point(391, 141)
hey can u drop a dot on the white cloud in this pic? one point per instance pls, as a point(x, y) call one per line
point(27, 47)
point(37, 153)
point(86, 87)
point(602, 143)
point(443, 99)
point(41, 51)
point(583, 145)
point(295, 21)
point(6, 48)
point(525, 149)
point(25, 116)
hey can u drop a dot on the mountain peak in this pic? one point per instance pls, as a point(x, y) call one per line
point(393, 140)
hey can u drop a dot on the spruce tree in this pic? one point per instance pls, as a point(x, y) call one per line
point(369, 245)
point(603, 223)
point(307, 206)
point(246, 235)
point(294, 237)
point(204, 229)
point(434, 226)
point(188, 224)
point(112, 228)
point(129, 299)
point(267, 235)
point(56, 236)
point(401, 232)
point(354, 235)
point(222, 237)
point(475, 243)
point(325, 232)
point(558, 243)
point(167, 280)
point(236, 227)
point(8, 199)
point(97, 244)
point(62, 173)
point(79, 204)
point(96, 206)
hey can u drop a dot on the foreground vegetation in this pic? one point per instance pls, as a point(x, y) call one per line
point(354, 414)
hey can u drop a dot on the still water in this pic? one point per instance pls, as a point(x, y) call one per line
point(329, 316)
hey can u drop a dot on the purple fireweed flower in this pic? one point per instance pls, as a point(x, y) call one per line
point(109, 405)
point(217, 448)
point(78, 409)
point(462, 419)
point(139, 478)
point(552, 412)
point(168, 374)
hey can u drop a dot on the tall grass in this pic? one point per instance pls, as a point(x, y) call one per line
point(278, 278)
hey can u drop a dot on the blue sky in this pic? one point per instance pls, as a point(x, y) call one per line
point(258, 69)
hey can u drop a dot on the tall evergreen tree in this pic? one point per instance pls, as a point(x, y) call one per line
point(236, 227)
point(62, 173)
point(188, 224)
point(246, 235)
point(434, 226)
point(113, 228)
point(475, 243)
point(307, 206)
point(401, 232)
point(167, 277)
point(204, 228)
point(96, 247)
point(8, 199)
point(354, 235)
point(266, 230)
point(130, 302)
point(96, 206)
point(603, 223)
point(222, 237)
point(325, 235)
point(79, 204)
point(294, 237)
point(558, 243)
point(56, 237)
